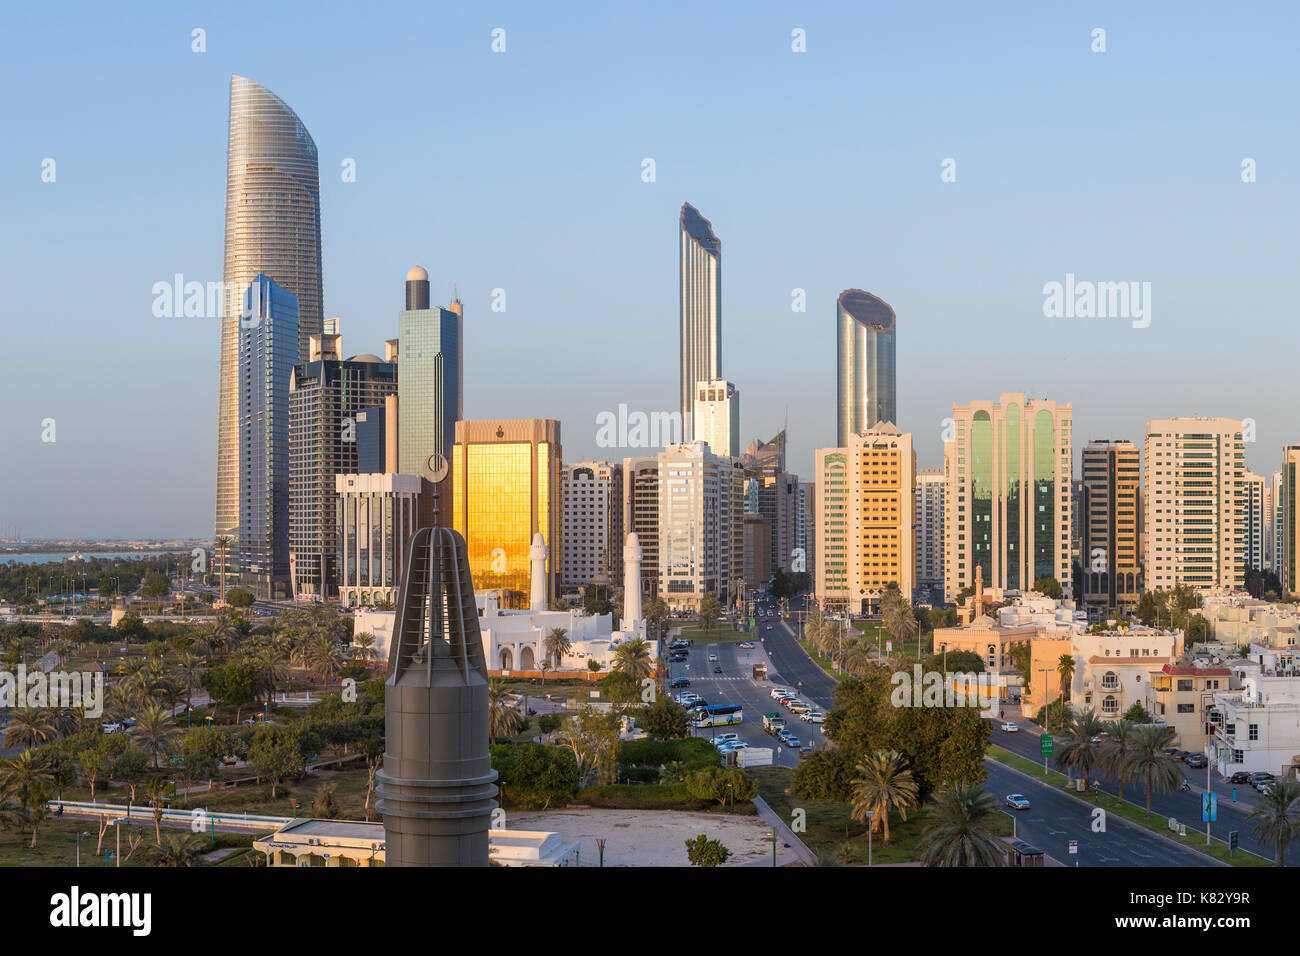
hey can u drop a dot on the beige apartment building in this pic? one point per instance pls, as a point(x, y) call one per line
point(1184, 697)
point(831, 547)
point(881, 515)
point(1194, 504)
point(1008, 502)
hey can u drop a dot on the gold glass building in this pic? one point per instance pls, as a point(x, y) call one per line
point(505, 488)
point(272, 229)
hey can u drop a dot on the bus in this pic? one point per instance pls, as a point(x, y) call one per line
point(716, 715)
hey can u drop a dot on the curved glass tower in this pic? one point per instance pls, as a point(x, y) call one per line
point(865, 364)
point(701, 302)
point(272, 229)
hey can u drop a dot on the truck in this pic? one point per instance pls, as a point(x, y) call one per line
point(760, 672)
point(773, 722)
point(754, 757)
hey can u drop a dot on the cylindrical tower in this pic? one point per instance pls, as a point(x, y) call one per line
point(417, 289)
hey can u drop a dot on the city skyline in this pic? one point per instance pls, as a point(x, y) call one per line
point(1024, 211)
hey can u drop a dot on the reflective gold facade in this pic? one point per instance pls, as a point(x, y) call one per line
point(505, 488)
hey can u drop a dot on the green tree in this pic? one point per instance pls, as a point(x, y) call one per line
point(710, 611)
point(960, 834)
point(898, 617)
point(179, 849)
point(1065, 668)
point(883, 784)
point(277, 754)
point(721, 784)
point(324, 807)
point(702, 851)
point(633, 658)
point(556, 645)
point(504, 719)
point(234, 683)
point(665, 719)
point(1137, 714)
point(1277, 818)
point(824, 775)
point(1076, 750)
point(1113, 755)
point(1048, 586)
point(1149, 765)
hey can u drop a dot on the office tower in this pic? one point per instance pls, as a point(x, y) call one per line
point(881, 508)
point(1279, 542)
point(929, 530)
point(372, 433)
point(430, 392)
point(375, 515)
point(765, 457)
point(1270, 527)
point(808, 534)
point(864, 337)
point(831, 564)
point(641, 515)
point(1008, 497)
point(700, 286)
point(268, 349)
point(591, 525)
point(697, 541)
point(1194, 470)
point(1288, 529)
point(1078, 518)
point(715, 417)
point(778, 504)
point(758, 550)
point(1111, 527)
point(505, 478)
point(327, 394)
point(272, 230)
point(1254, 507)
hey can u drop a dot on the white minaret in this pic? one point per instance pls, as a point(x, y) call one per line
point(537, 557)
point(631, 582)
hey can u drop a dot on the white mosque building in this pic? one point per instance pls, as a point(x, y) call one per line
point(514, 641)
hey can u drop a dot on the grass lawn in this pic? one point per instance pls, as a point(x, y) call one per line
point(820, 659)
point(1131, 812)
point(831, 831)
point(722, 634)
point(565, 689)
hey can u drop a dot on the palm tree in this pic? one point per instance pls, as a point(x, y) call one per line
point(544, 666)
point(152, 729)
point(1149, 765)
point(556, 644)
point(324, 657)
point(28, 779)
point(959, 835)
point(364, 642)
point(1112, 757)
point(884, 783)
point(30, 727)
point(657, 611)
point(156, 794)
point(1277, 819)
point(1077, 751)
point(179, 850)
point(898, 617)
point(504, 720)
point(1065, 667)
point(633, 658)
point(189, 665)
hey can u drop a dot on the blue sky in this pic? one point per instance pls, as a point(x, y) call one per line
point(522, 171)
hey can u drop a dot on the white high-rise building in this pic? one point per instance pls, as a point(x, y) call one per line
point(929, 527)
point(591, 522)
point(697, 513)
point(1255, 512)
point(715, 416)
point(700, 292)
point(1194, 504)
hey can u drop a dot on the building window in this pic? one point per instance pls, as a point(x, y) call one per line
point(1109, 705)
point(1254, 732)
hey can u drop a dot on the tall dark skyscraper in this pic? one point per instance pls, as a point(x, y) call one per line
point(700, 281)
point(272, 229)
point(864, 337)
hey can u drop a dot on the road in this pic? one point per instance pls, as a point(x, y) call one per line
point(1054, 818)
point(1185, 807)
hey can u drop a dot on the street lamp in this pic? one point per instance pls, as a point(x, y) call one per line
point(79, 838)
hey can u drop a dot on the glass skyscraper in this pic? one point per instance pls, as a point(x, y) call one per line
point(701, 307)
point(430, 389)
point(268, 349)
point(865, 364)
point(272, 230)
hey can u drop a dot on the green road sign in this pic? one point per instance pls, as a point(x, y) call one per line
point(1047, 745)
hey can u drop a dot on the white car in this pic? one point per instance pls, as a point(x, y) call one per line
point(1010, 727)
point(713, 658)
point(725, 738)
point(779, 692)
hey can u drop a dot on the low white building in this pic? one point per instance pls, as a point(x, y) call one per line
point(1257, 727)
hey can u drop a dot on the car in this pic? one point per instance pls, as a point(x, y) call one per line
point(1263, 785)
point(1172, 752)
point(791, 741)
point(1196, 760)
point(799, 707)
point(817, 718)
point(769, 627)
point(713, 658)
point(746, 645)
point(1010, 727)
point(1241, 776)
point(1182, 755)
point(1260, 776)
point(778, 692)
point(717, 668)
point(806, 716)
point(679, 682)
point(787, 700)
point(1017, 801)
point(724, 738)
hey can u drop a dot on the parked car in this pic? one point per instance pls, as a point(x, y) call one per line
point(1261, 776)
point(1263, 785)
point(778, 692)
point(817, 718)
point(1196, 760)
point(713, 658)
point(1172, 752)
point(723, 738)
point(799, 707)
point(791, 741)
point(1017, 801)
point(1182, 755)
point(679, 682)
point(1241, 776)
point(1010, 727)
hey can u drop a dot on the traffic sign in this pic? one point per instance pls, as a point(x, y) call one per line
point(1074, 846)
point(1232, 840)
point(1209, 807)
point(1047, 746)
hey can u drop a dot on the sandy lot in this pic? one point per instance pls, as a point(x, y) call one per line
point(655, 837)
